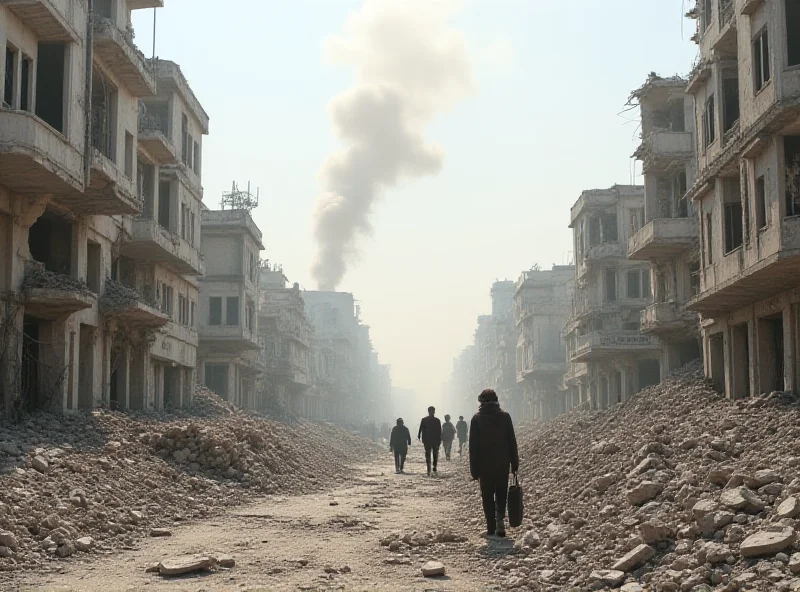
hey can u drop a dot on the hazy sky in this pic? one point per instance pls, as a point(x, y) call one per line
point(542, 124)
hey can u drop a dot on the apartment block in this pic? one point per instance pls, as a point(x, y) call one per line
point(76, 334)
point(542, 305)
point(667, 236)
point(334, 359)
point(746, 88)
point(285, 334)
point(499, 347)
point(603, 331)
point(374, 388)
point(228, 353)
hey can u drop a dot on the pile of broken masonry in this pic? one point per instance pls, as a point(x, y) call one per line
point(99, 481)
point(674, 490)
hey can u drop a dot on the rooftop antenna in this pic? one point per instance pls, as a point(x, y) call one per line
point(237, 199)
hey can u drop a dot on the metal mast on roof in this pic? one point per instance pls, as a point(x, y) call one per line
point(237, 199)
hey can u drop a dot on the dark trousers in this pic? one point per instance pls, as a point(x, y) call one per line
point(460, 445)
point(399, 460)
point(494, 493)
point(447, 447)
point(431, 450)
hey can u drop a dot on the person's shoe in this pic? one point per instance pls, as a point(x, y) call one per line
point(434, 469)
point(501, 527)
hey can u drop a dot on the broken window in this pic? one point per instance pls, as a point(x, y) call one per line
point(183, 310)
point(709, 127)
point(93, 268)
point(164, 198)
point(232, 311)
point(50, 72)
point(694, 278)
point(609, 227)
point(791, 151)
point(761, 67)
point(50, 243)
point(128, 154)
point(681, 209)
point(104, 101)
point(761, 203)
point(646, 292)
point(792, 32)
point(611, 285)
point(192, 311)
point(730, 103)
point(184, 223)
point(594, 231)
point(184, 138)
point(26, 67)
point(215, 310)
point(637, 220)
point(709, 240)
point(732, 214)
point(745, 189)
point(8, 84)
point(166, 299)
point(634, 288)
point(103, 8)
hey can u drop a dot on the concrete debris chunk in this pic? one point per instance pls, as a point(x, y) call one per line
point(433, 569)
point(637, 556)
point(178, 566)
point(767, 542)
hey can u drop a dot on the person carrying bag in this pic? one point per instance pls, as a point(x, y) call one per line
point(515, 508)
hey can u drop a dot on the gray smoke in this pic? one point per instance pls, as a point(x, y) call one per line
point(409, 66)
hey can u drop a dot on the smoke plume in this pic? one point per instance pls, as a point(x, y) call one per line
point(409, 65)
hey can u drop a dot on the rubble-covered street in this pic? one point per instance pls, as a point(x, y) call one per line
point(675, 490)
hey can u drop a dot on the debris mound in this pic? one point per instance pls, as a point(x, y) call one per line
point(675, 489)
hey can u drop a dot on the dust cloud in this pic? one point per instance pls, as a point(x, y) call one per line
point(409, 65)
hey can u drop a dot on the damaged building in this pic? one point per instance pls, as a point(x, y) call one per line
point(746, 89)
point(542, 305)
point(284, 334)
point(668, 236)
point(228, 351)
point(81, 323)
point(603, 331)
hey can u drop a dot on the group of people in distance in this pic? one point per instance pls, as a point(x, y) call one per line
point(493, 451)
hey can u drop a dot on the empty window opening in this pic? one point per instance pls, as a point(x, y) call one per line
point(671, 118)
point(25, 83)
point(103, 8)
point(706, 15)
point(740, 369)
point(770, 353)
point(730, 103)
point(232, 311)
point(732, 214)
point(129, 155)
point(215, 310)
point(50, 73)
point(611, 285)
point(649, 373)
point(167, 295)
point(634, 288)
point(50, 243)
point(93, 268)
point(709, 240)
point(791, 150)
point(594, 231)
point(146, 174)
point(709, 125)
point(793, 32)
point(104, 101)
point(745, 188)
point(761, 65)
point(616, 381)
point(761, 203)
point(694, 278)
point(608, 227)
point(184, 138)
point(31, 389)
point(646, 291)
point(171, 387)
point(10, 77)
point(86, 367)
point(217, 379)
point(164, 199)
point(716, 350)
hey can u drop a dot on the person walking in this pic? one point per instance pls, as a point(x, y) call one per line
point(461, 430)
point(399, 441)
point(492, 451)
point(448, 435)
point(430, 432)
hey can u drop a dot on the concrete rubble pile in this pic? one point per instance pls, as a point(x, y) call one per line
point(100, 481)
point(37, 277)
point(674, 490)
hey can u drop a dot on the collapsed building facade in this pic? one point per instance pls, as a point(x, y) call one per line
point(746, 88)
point(90, 283)
point(610, 292)
point(542, 304)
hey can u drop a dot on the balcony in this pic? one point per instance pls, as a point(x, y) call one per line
point(109, 192)
point(137, 4)
point(49, 295)
point(664, 318)
point(541, 368)
point(574, 373)
point(51, 20)
point(604, 252)
point(117, 51)
point(602, 345)
point(129, 308)
point(149, 241)
point(153, 137)
point(663, 238)
point(725, 42)
point(35, 158)
point(227, 339)
point(662, 149)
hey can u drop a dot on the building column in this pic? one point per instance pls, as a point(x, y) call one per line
point(124, 378)
point(789, 348)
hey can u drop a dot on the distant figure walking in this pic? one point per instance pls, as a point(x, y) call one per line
point(448, 435)
point(430, 432)
point(461, 430)
point(492, 451)
point(399, 441)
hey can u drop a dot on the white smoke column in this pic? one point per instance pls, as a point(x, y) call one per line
point(409, 66)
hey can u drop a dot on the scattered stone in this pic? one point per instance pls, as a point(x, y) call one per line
point(607, 577)
point(644, 492)
point(160, 532)
point(226, 561)
point(40, 464)
point(84, 544)
point(634, 558)
point(741, 498)
point(433, 569)
point(767, 542)
point(177, 566)
point(7, 539)
point(789, 508)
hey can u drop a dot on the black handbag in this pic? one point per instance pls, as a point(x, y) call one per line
point(515, 503)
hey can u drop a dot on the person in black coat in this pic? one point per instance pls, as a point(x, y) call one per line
point(461, 430)
point(399, 441)
point(492, 451)
point(430, 432)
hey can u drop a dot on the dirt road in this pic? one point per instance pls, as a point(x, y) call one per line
point(327, 541)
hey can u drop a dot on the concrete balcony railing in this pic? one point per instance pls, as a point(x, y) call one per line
point(51, 20)
point(600, 345)
point(138, 4)
point(154, 137)
point(230, 338)
point(109, 192)
point(575, 371)
point(35, 158)
point(605, 251)
point(149, 241)
point(129, 308)
point(50, 295)
point(115, 47)
point(663, 238)
point(661, 149)
point(667, 317)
